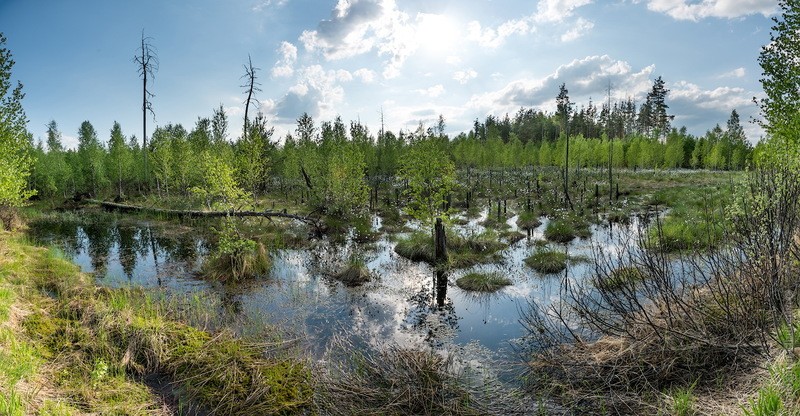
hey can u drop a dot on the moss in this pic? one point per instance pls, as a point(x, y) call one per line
point(482, 282)
point(547, 261)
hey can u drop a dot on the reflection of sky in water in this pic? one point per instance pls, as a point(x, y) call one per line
point(397, 307)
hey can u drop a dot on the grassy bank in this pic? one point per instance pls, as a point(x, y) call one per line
point(70, 347)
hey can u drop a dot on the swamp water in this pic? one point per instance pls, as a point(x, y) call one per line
point(402, 305)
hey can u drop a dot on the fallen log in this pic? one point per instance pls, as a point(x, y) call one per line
point(207, 214)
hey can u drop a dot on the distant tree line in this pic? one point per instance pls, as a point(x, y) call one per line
point(333, 165)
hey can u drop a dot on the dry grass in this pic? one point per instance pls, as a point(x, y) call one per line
point(401, 381)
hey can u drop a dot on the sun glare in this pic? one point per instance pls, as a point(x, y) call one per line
point(436, 33)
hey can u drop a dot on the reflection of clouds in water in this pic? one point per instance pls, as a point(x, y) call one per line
point(397, 307)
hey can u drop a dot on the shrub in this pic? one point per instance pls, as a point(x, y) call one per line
point(236, 258)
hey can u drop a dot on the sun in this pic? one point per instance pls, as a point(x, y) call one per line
point(436, 33)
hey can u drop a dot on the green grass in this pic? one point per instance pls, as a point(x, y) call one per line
point(695, 219)
point(683, 402)
point(482, 282)
point(6, 299)
point(547, 261)
point(767, 402)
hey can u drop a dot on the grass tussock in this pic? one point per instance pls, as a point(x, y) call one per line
point(355, 273)
point(560, 231)
point(547, 261)
point(482, 282)
point(528, 220)
point(242, 262)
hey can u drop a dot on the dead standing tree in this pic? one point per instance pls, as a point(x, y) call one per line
point(146, 61)
point(252, 86)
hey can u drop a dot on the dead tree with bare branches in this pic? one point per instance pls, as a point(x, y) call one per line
point(251, 86)
point(146, 60)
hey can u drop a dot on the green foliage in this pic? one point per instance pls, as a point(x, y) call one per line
point(120, 158)
point(781, 74)
point(15, 141)
point(482, 282)
point(91, 157)
point(430, 174)
point(346, 192)
point(219, 188)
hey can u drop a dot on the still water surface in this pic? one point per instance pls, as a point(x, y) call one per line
point(401, 305)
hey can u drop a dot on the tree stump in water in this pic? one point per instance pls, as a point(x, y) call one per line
point(440, 242)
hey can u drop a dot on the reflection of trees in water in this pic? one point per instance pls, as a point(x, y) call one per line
point(100, 239)
point(433, 312)
point(129, 242)
point(62, 234)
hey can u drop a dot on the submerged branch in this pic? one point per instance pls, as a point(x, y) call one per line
point(208, 214)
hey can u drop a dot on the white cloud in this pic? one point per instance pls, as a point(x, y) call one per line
point(493, 38)
point(547, 11)
point(730, 9)
point(234, 111)
point(343, 75)
point(736, 73)
point(557, 10)
point(584, 78)
point(69, 142)
point(365, 75)
point(464, 76)
point(284, 67)
point(360, 26)
point(698, 108)
point(579, 28)
point(432, 92)
point(453, 60)
point(265, 4)
point(721, 98)
point(316, 92)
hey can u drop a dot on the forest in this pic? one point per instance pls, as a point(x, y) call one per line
point(592, 260)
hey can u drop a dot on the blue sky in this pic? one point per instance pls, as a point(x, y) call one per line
point(412, 59)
